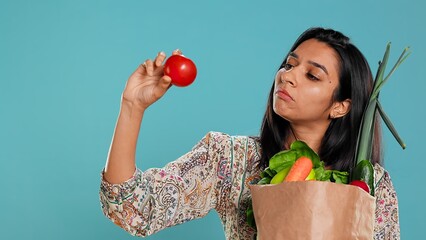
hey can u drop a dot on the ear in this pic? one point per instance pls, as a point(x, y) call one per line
point(340, 109)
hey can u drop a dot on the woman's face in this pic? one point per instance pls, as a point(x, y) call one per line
point(304, 88)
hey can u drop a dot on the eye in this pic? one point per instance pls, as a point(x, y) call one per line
point(287, 66)
point(312, 77)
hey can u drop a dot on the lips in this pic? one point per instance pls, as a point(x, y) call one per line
point(283, 94)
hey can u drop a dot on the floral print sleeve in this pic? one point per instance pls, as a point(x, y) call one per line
point(387, 221)
point(162, 197)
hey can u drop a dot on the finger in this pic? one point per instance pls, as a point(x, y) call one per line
point(149, 65)
point(163, 85)
point(160, 59)
point(165, 82)
point(177, 52)
point(141, 69)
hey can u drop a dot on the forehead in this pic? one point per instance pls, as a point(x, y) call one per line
point(319, 52)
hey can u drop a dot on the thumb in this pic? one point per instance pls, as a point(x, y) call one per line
point(165, 82)
point(163, 85)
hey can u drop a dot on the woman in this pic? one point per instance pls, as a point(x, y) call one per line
point(318, 96)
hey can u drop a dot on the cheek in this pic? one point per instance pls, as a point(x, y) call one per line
point(317, 92)
point(317, 96)
point(276, 80)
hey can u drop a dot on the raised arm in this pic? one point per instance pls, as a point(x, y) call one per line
point(144, 87)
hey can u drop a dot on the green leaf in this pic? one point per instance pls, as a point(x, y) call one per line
point(365, 136)
point(282, 160)
point(340, 177)
point(366, 132)
point(265, 180)
point(390, 125)
point(321, 174)
point(400, 60)
point(268, 172)
point(250, 216)
point(263, 174)
point(380, 72)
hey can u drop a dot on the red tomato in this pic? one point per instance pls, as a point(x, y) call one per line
point(360, 184)
point(181, 70)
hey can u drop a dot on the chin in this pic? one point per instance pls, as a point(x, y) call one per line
point(282, 114)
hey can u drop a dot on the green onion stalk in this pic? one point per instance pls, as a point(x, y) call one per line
point(364, 146)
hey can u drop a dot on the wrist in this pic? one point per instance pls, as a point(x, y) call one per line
point(130, 108)
point(127, 105)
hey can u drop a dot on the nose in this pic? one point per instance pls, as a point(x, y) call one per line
point(287, 77)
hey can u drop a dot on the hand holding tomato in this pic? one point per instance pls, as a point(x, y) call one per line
point(148, 83)
point(151, 79)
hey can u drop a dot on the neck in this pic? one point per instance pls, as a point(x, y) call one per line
point(311, 135)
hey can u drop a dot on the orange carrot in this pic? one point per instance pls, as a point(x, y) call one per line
point(300, 170)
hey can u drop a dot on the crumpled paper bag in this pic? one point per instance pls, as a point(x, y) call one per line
point(312, 210)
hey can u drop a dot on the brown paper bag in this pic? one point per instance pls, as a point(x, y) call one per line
point(312, 210)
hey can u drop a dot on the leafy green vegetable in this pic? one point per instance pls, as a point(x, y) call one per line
point(365, 136)
point(285, 159)
point(340, 177)
point(269, 172)
point(250, 215)
point(265, 180)
point(362, 166)
point(282, 160)
point(321, 174)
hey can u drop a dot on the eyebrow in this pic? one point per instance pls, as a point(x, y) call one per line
point(315, 64)
point(292, 54)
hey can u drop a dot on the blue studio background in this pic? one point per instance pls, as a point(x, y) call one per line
point(64, 64)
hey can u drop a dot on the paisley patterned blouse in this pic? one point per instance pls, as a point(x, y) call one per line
point(213, 175)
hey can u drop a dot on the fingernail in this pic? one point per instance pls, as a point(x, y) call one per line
point(162, 53)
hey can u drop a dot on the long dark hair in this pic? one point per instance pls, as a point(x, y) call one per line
point(355, 82)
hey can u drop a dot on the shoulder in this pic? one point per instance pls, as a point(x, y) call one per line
point(379, 173)
point(384, 189)
point(381, 177)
